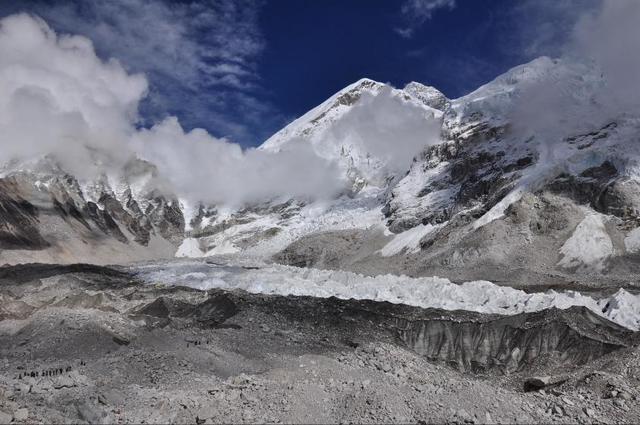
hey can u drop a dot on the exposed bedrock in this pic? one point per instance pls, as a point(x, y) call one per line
point(18, 220)
point(601, 188)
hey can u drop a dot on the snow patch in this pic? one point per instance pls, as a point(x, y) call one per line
point(497, 211)
point(407, 240)
point(623, 308)
point(589, 246)
point(226, 247)
point(190, 247)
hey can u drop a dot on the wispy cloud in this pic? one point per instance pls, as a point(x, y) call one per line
point(535, 28)
point(200, 56)
point(595, 83)
point(416, 12)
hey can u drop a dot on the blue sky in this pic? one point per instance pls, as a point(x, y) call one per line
point(243, 69)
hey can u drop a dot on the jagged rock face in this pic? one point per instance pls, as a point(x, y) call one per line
point(483, 154)
point(166, 216)
point(478, 161)
point(18, 220)
point(457, 176)
point(53, 216)
point(137, 224)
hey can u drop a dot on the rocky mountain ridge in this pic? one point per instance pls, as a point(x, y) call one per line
point(51, 216)
point(459, 188)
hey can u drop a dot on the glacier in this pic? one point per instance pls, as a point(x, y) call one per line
point(255, 276)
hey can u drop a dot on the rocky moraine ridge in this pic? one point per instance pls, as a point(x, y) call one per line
point(94, 344)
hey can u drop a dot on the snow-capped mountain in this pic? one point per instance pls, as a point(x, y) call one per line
point(51, 216)
point(371, 129)
point(532, 177)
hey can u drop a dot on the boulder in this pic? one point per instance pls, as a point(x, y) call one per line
point(536, 383)
point(21, 414)
point(5, 418)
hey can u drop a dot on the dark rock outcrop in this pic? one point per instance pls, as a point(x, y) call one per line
point(212, 312)
point(50, 212)
point(18, 220)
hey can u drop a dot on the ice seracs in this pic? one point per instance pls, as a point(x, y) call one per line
point(427, 292)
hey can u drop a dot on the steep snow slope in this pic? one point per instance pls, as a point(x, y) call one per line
point(490, 137)
point(589, 246)
point(372, 130)
point(328, 111)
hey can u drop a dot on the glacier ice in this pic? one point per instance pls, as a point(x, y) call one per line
point(622, 308)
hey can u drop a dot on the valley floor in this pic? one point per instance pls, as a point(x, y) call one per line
point(137, 344)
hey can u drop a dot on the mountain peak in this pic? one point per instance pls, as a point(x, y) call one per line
point(327, 111)
point(429, 95)
point(365, 82)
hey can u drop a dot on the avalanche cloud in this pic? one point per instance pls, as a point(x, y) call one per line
point(59, 99)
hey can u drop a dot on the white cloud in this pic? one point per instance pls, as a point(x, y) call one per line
point(203, 168)
point(596, 81)
point(611, 38)
point(387, 129)
point(58, 98)
point(533, 28)
point(185, 41)
point(417, 12)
